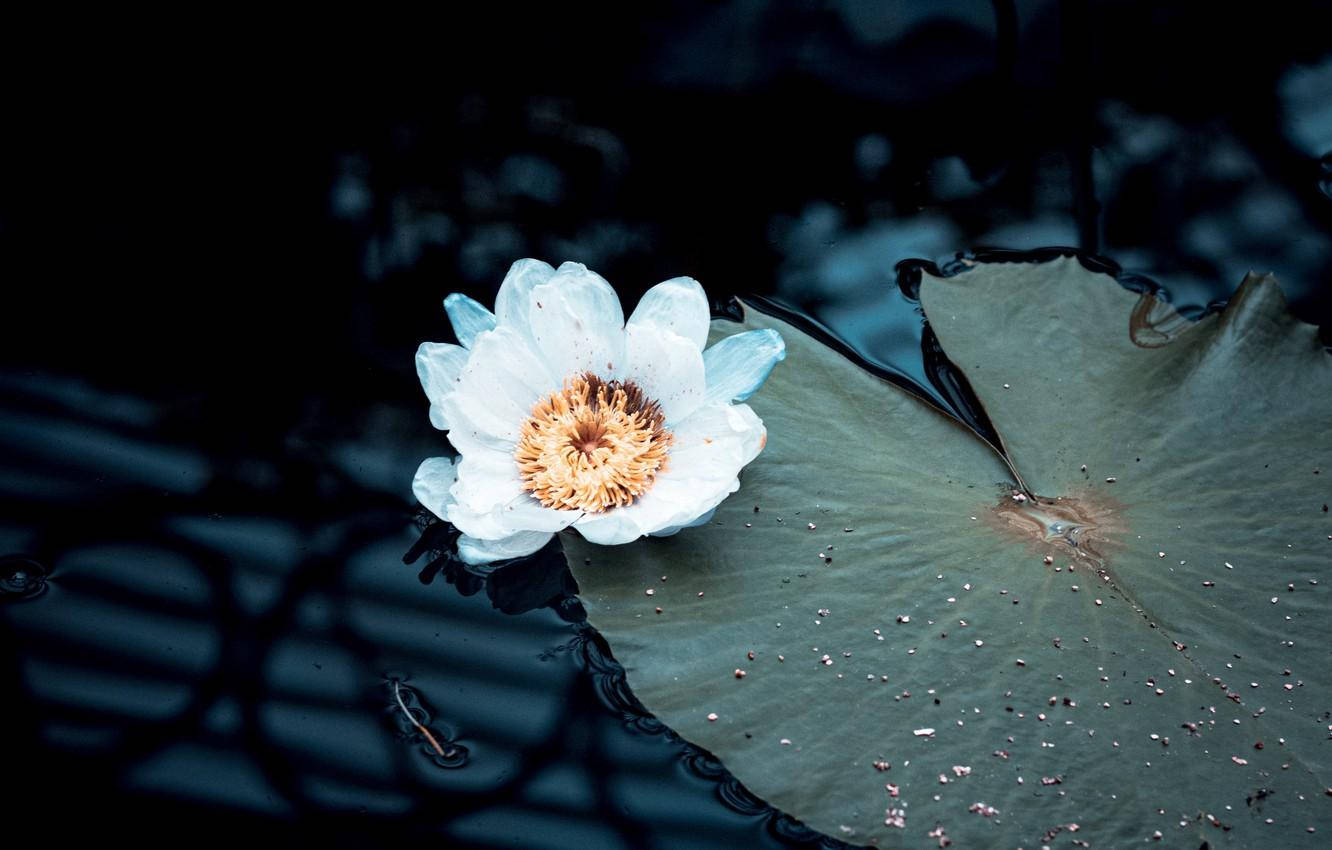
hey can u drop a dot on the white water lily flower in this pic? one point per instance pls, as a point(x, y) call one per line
point(567, 416)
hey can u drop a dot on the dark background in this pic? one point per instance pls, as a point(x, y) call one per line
point(224, 238)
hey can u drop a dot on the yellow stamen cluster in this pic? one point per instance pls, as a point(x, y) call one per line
point(592, 446)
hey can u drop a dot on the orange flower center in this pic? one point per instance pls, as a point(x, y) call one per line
point(592, 446)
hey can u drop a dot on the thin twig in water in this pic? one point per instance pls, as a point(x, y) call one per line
point(397, 693)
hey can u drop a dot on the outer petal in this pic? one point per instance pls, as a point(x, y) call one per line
point(486, 479)
point(577, 323)
point(488, 487)
point(431, 485)
point(515, 293)
point(509, 519)
point(678, 305)
point(482, 526)
point(469, 318)
point(739, 364)
point(710, 448)
point(667, 366)
point(438, 365)
point(470, 427)
point(716, 441)
point(475, 550)
point(670, 504)
point(503, 379)
point(676, 529)
point(613, 527)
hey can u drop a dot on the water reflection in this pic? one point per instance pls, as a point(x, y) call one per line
point(540, 580)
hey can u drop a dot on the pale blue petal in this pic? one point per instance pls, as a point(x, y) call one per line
point(438, 365)
point(678, 305)
point(469, 318)
point(475, 550)
point(431, 485)
point(737, 366)
point(515, 294)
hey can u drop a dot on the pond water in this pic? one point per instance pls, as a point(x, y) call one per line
point(208, 627)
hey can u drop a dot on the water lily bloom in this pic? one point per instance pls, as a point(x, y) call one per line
point(565, 415)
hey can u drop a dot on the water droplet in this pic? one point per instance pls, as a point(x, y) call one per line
point(21, 578)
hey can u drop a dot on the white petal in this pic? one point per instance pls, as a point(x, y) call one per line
point(438, 365)
point(489, 491)
point(611, 528)
point(709, 450)
point(503, 379)
point(706, 457)
point(670, 504)
point(527, 513)
point(677, 305)
point(524, 514)
point(667, 366)
point(577, 323)
point(431, 485)
point(471, 427)
point(475, 550)
point(483, 526)
point(506, 531)
point(486, 479)
point(469, 318)
point(675, 529)
point(717, 432)
point(739, 364)
point(515, 293)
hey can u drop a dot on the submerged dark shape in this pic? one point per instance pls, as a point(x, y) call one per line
point(514, 586)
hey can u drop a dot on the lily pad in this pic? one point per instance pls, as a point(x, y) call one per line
point(919, 670)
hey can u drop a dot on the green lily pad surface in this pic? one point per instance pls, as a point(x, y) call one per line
point(881, 634)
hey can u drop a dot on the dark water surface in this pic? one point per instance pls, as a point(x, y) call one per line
point(209, 417)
